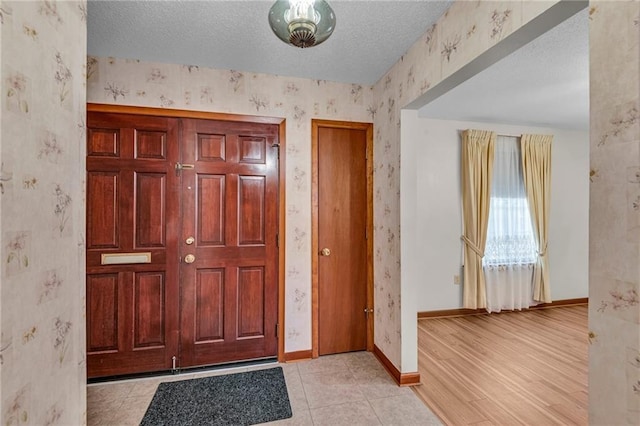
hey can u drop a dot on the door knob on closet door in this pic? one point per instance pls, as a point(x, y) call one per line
point(325, 252)
point(190, 240)
point(189, 258)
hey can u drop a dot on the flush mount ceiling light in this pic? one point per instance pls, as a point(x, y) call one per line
point(302, 23)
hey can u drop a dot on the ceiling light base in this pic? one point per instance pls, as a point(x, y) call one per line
point(302, 23)
point(302, 34)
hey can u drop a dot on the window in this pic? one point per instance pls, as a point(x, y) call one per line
point(510, 239)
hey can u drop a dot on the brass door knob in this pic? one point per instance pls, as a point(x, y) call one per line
point(190, 240)
point(189, 258)
point(325, 252)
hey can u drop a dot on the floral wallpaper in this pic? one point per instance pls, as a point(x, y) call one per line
point(132, 82)
point(466, 30)
point(42, 149)
point(614, 272)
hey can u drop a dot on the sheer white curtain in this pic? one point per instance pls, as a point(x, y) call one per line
point(510, 252)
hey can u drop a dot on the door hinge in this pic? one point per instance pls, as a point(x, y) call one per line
point(277, 146)
point(367, 312)
point(277, 326)
point(277, 240)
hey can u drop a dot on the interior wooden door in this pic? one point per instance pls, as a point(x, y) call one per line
point(132, 236)
point(182, 242)
point(342, 268)
point(229, 242)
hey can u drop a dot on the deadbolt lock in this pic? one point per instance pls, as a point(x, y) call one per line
point(325, 252)
point(190, 240)
point(189, 258)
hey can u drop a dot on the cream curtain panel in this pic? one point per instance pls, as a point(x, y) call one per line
point(536, 170)
point(477, 164)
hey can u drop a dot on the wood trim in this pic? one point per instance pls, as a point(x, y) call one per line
point(409, 379)
point(298, 355)
point(281, 122)
point(462, 312)
point(402, 379)
point(368, 127)
point(282, 225)
point(370, 298)
point(182, 113)
point(314, 240)
point(563, 302)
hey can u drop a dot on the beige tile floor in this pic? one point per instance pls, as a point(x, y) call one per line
point(346, 389)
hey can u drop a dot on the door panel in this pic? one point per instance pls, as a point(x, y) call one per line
point(132, 206)
point(230, 203)
point(102, 313)
point(149, 309)
point(342, 228)
point(211, 204)
point(151, 144)
point(102, 202)
point(251, 299)
point(252, 150)
point(150, 218)
point(251, 203)
point(211, 147)
point(103, 142)
point(209, 316)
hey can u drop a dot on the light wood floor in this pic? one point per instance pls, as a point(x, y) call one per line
point(511, 368)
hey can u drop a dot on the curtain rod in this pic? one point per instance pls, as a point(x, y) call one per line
point(499, 134)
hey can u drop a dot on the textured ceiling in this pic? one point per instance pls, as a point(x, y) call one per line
point(545, 83)
point(370, 36)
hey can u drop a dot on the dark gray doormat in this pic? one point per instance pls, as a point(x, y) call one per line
point(236, 399)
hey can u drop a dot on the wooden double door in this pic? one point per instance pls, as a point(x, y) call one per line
point(182, 257)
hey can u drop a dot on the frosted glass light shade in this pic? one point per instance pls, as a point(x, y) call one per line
point(302, 23)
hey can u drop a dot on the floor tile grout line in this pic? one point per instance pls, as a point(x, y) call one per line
point(374, 412)
point(122, 398)
point(112, 411)
point(304, 392)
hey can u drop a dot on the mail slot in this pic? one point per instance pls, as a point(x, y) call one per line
point(125, 258)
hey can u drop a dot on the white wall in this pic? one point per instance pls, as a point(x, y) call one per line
point(431, 210)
